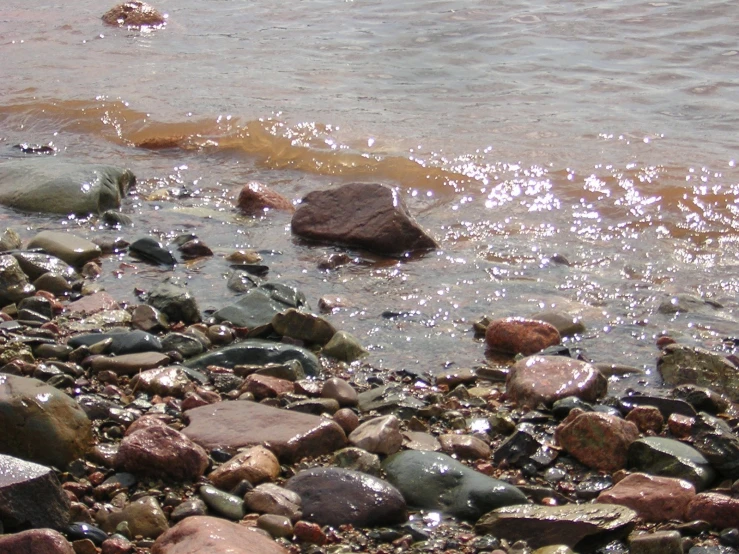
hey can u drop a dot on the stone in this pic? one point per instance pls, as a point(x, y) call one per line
point(516, 335)
point(671, 458)
point(268, 498)
point(358, 215)
point(315, 406)
point(164, 381)
point(92, 304)
point(714, 438)
point(347, 419)
point(659, 542)
point(222, 503)
point(257, 199)
point(646, 418)
point(309, 533)
point(702, 398)
point(236, 424)
point(357, 459)
point(258, 306)
point(258, 352)
point(144, 517)
point(681, 364)
point(598, 440)
point(277, 526)
point(566, 324)
point(30, 496)
point(187, 345)
point(38, 264)
point(214, 536)
point(345, 347)
point(435, 481)
point(545, 525)
point(380, 435)
point(189, 508)
point(419, 440)
point(51, 186)
point(149, 319)
point(129, 364)
point(36, 541)
point(66, 246)
point(134, 14)
point(654, 498)
point(464, 447)
point(341, 391)
point(40, 423)
point(546, 379)
point(303, 326)
point(161, 452)
point(175, 302)
point(335, 496)
point(686, 303)
point(150, 250)
point(127, 342)
point(720, 510)
point(10, 240)
point(264, 386)
point(14, 285)
point(255, 464)
point(666, 406)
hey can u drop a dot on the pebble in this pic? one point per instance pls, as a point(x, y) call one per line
point(277, 526)
point(256, 465)
point(341, 391)
point(520, 336)
point(222, 503)
point(380, 435)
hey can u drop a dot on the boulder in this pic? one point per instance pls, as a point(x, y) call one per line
point(654, 498)
point(517, 335)
point(50, 186)
point(134, 14)
point(36, 541)
point(681, 364)
point(255, 199)
point(361, 215)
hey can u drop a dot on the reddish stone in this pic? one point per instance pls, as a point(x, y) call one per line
point(117, 545)
point(36, 541)
point(464, 446)
point(653, 498)
point(719, 510)
point(256, 465)
point(129, 364)
point(92, 304)
point(255, 199)
point(598, 440)
point(347, 419)
point(664, 341)
point(213, 535)
point(341, 391)
point(144, 422)
point(646, 418)
point(362, 215)
point(681, 426)
point(516, 335)
point(264, 386)
point(545, 379)
point(310, 533)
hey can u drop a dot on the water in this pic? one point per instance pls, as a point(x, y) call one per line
point(517, 130)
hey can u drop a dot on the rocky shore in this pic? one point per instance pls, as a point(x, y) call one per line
point(260, 428)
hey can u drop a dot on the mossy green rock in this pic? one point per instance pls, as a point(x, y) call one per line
point(434, 481)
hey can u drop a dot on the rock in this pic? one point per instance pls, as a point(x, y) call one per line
point(258, 352)
point(347, 419)
point(309, 533)
point(236, 424)
point(134, 14)
point(418, 440)
point(37, 264)
point(149, 319)
point(303, 326)
point(277, 526)
point(646, 418)
point(30, 496)
point(659, 542)
point(222, 503)
point(566, 325)
point(686, 303)
point(719, 510)
point(368, 216)
point(546, 379)
point(435, 481)
point(680, 364)
point(214, 536)
point(14, 285)
point(187, 345)
point(36, 541)
point(66, 246)
point(189, 508)
point(525, 445)
point(258, 306)
point(161, 452)
point(544, 525)
point(164, 381)
point(702, 399)
point(335, 496)
point(345, 347)
point(388, 398)
point(82, 531)
point(714, 438)
point(256, 464)
point(268, 498)
point(357, 459)
point(666, 406)
point(256, 199)
point(516, 335)
point(380, 435)
point(175, 302)
point(10, 240)
point(654, 498)
point(151, 250)
point(341, 391)
point(50, 186)
point(464, 447)
point(598, 440)
point(144, 517)
point(40, 423)
point(127, 342)
point(129, 364)
point(264, 386)
point(194, 249)
point(92, 304)
point(671, 458)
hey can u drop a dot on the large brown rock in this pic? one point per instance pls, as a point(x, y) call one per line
point(598, 440)
point(653, 498)
point(41, 423)
point(203, 534)
point(255, 464)
point(134, 14)
point(546, 379)
point(30, 496)
point(361, 215)
point(35, 541)
point(290, 435)
point(517, 335)
point(255, 199)
point(719, 510)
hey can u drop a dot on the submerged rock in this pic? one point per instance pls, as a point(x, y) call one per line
point(134, 14)
point(258, 306)
point(67, 247)
point(680, 365)
point(516, 335)
point(255, 199)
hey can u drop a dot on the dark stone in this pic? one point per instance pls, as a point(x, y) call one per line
point(81, 531)
point(671, 458)
point(174, 301)
point(259, 305)
point(667, 406)
point(714, 438)
point(151, 250)
point(130, 342)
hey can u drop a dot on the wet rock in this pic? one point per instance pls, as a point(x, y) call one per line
point(418, 440)
point(562, 408)
point(256, 199)
point(315, 406)
point(188, 508)
point(66, 246)
point(277, 526)
point(368, 216)
point(92, 304)
point(152, 251)
point(545, 379)
point(388, 398)
point(41, 423)
point(194, 249)
point(214, 536)
point(36, 541)
point(680, 365)
point(144, 517)
point(660, 542)
point(81, 531)
point(686, 303)
point(526, 445)
point(236, 424)
point(653, 498)
point(380, 435)
point(10, 240)
point(268, 498)
point(187, 345)
point(30, 496)
point(434, 481)
point(464, 447)
point(544, 525)
point(598, 440)
point(258, 306)
point(341, 391)
point(516, 335)
point(14, 285)
point(134, 14)
point(714, 438)
point(164, 381)
point(671, 458)
point(258, 352)
point(37, 264)
point(148, 319)
point(129, 364)
point(335, 496)
point(127, 342)
point(566, 325)
point(175, 302)
point(222, 503)
point(646, 418)
point(702, 399)
point(666, 406)
point(51, 186)
point(264, 386)
point(161, 452)
point(719, 510)
point(345, 347)
point(256, 464)
point(358, 459)
point(303, 326)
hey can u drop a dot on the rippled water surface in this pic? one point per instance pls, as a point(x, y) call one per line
point(603, 132)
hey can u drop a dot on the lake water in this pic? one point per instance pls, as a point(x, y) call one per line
point(606, 133)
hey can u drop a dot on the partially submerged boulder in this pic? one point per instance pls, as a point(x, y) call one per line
point(134, 14)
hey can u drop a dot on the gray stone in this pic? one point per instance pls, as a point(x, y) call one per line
point(680, 365)
point(671, 458)
point(14, 285)
point(258, 306)
point(187, 345)
point(269, 498)
point(380, 435)
point(36, 264)
point(30, 496)
point(127, 342)
point(345, 347)
point(144, 517)
point(686, 303)
point(189, 508)
point(660, 542)
point(714, 438)
point(435, 481)
point(67, 247)
point(303, 326)
point(175, 302)
point(388, 398)
point(9, 240)
point(357, 459)
point(222, 503)
point(566, 324)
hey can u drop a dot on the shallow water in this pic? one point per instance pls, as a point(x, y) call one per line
point(517, 130)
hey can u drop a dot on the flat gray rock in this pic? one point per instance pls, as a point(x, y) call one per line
point(70, 248)
point(671, 458)
point(258, 306)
